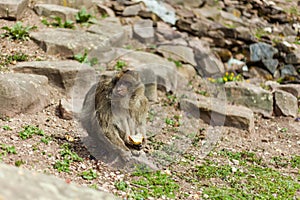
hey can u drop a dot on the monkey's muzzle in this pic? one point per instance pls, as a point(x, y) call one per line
point(136, 141)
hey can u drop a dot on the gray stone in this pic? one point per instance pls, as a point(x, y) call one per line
point(261, 51)
point(285, 104)
point(288, 70)
point(132, 10)
point(63, 74)
point(250, 96)
point(161, 9)
point(47, 10)
point(208, 63)
point(78, 4)
point(293, 58)
point(23, 93)
point(164, 70)
point(270, 64)
point(143, 31)
point(233, 116)
point(33, 185)
point(13, 9)
point(178, 53)
point(68, 43)
point(187, 72)
point(110, 28)
point(189, 3)
point(167, 31)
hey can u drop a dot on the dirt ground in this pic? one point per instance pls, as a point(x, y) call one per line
point(278, 136)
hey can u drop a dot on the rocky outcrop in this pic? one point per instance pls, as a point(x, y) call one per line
point(229, 115)
point(13, 9)
point(251, 96)
point(23, 93)
point(32, 185)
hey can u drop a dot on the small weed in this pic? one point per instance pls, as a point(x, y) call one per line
point(29, 131)
point(283, 130)
point(202, 92)
point(174, 121)
point(18, 163)
point(94, 186)
point(120, 65)
point(259, 33)
point(19, 57)
point(151, 115)
point(89, 175)
point(17, 32)
point(83, 17)
point(121, 185)
point(83, 58)
point(6, 128)
point(58, 22)
point(176, 62)
point(295, 162)
point(8, 149)
point(67, 157)
point(46, 139)
point(279, 161)
point(172, 99)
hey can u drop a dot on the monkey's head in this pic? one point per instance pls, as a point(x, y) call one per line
point(130, 107)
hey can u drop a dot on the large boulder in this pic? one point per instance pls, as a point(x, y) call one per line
point(23, 93)
point(47, 10)
point(285, 104)
point(32, 185)
point(251, 96)
point(12, 9)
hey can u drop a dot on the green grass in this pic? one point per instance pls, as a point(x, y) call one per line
point(17, 32)
point(58, 22)
point(176, 62)
point(6, 128)
point(243, 175)
point(6, 149)
point(66, 158)
point(120, 65)
point(147, 184)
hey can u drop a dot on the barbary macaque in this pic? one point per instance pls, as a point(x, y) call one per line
point(119, 110)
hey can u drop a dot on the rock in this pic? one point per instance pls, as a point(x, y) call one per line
point(261, 51)
point(13, 9)
point(264, 52)
point(112, 29)
point(288, 70)
point(168, 32)
point(208, 63)
point(187, 72)
point(47, 10)
point(178, 53)
point(161, 9)
point(132, 10)
point(65, 109)
point(189, 3)
point(68, 43)
point(233, 116)
point(244, 34)
point(224, 54)
point(63, 74)
point(164, 70)
point(104, 10)
point(143, 31)
point(23, 93)
point(149, 79)
point(33, 185)
point(285, 104)
point(250, 96)
point(293, 58)
point(78, 4)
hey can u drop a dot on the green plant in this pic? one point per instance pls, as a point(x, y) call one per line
point(6, 128)
point(18, 163)
point(46, 139)
point(176, 62)
point(121, 185)
point(58, 22)
point(17, 32)
point(18, 56)
point(8, 149)
point(66, 158)
point(83, 17)
point(83, 58)
point(29, 130)
point(295, 161)
point(259, 33)
point(120, 65)
point(89, 175)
